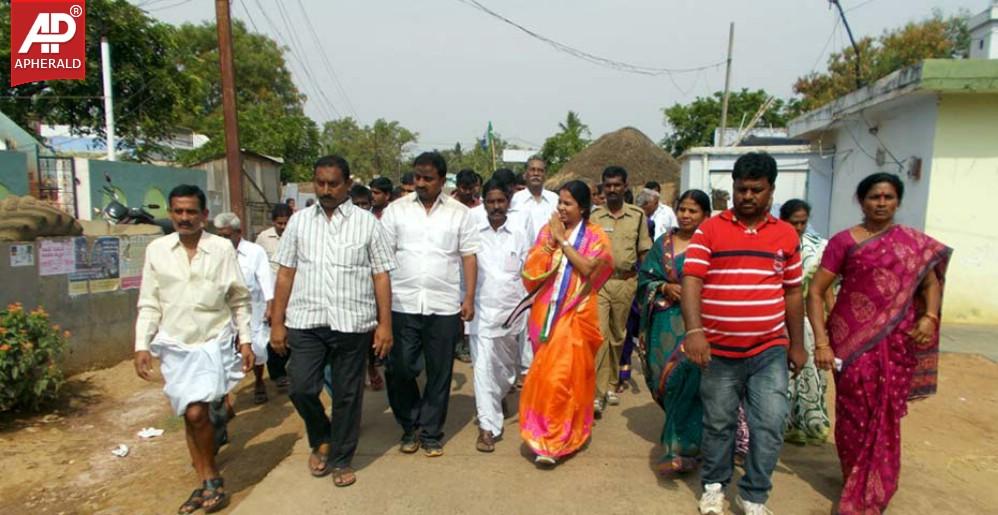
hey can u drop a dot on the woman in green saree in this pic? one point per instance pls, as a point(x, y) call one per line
point(674, 382)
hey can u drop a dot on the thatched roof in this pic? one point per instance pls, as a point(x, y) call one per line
point(630, 148)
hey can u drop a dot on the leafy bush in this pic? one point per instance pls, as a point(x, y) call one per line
point(29, 349)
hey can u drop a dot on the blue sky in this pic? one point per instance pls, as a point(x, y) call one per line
point(445, 69)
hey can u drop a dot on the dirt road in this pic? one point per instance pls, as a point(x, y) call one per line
point(61, 462)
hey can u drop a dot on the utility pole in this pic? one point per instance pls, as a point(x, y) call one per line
point(855, 47)
point(233, 156)
point(105, 65)
point(727, 87)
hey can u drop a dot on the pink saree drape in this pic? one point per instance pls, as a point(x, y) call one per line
point(882, 367)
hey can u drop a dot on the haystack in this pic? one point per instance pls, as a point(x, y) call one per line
point(630, 148)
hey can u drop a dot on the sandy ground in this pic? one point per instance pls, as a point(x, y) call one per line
point(61, 462)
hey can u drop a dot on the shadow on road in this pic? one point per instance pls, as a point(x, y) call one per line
point(816, 465)
point(645, 421)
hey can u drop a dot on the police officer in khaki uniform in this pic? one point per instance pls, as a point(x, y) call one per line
point(627, 227)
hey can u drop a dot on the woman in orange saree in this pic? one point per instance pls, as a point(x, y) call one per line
point(565, 269)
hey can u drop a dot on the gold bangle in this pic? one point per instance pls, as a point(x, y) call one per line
point(933, 316)
point(695, 330)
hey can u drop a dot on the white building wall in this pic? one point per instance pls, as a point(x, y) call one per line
point(84, 207)
point(905, 128)
point(707, 169)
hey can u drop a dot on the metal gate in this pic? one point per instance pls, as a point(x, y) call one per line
point(57, 182)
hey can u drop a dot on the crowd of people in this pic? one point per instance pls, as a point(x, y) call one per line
point(734, 319)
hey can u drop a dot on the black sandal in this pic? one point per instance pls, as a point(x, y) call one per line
point(214, 500)
point(193, 503)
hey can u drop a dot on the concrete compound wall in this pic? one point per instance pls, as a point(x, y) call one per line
point(102, 324)
point(138, 183)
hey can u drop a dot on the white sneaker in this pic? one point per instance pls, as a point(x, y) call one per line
point(752, 508)
point(712, 500)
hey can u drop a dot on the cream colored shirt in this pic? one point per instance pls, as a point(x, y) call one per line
point(191, 300)
point(270, 241)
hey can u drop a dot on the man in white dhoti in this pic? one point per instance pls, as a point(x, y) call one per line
point(192, 303)
point(495, 350)
point(537, 204)
point(254, 265)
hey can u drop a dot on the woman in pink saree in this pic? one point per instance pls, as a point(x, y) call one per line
point(882, 338)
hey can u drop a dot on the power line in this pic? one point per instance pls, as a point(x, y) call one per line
point(250, 17)
point(165, 7)
point(295, 43)
point(325, 59)
point(835, 28)
point(308, 76)
point(863, 4)
point(586, 56)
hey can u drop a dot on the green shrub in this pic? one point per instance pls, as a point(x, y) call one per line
point(29, 349)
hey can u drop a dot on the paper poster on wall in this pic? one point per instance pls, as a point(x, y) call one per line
point(81, 267)
point(55, 257)
point(133, 254)
point(22, 254)
point(104, 265)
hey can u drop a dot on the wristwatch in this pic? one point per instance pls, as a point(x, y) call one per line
point(563, 243)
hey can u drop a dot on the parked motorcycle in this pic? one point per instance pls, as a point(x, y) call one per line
point(117, 213)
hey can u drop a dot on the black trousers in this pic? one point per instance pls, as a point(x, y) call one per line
point(422, 341)
point(346, 354)
point(277, 364)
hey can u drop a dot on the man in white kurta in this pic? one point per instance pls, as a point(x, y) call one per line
point(495, 349)
point(192, 304)
point(255, 267)
point(537, 204)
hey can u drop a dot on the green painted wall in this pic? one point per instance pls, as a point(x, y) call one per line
point(13, 173)
point(138, 181)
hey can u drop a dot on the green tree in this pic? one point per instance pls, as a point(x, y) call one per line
point(571, 139)
point(693, 124)
point(377, 149)
point(270, 108)
point(150, 80)
point(936, 37)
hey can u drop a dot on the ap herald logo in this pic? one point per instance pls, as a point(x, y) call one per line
point(47, 40)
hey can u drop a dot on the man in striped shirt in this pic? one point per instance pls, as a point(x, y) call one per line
point(743, 306)
point(333, 290)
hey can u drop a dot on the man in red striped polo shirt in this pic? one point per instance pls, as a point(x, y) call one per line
point(743, 307)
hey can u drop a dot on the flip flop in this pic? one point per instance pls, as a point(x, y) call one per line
point(193, 503)
point(344, 476)
point(260, 396)
point(323, 460)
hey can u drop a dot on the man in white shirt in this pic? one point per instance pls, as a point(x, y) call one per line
point(537, 202)
point(663, 216)
point(495, 350)
point(192, 304)
point(255, 268)
point(434, 240)
point(333, 290)
point(270, 239)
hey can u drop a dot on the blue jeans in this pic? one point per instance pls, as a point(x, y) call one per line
point(762, 382)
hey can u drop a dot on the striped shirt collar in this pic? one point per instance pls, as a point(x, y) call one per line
point(346, 209)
